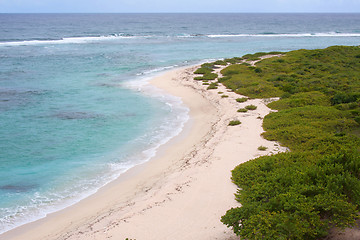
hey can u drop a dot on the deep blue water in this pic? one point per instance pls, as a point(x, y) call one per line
point(75, 109)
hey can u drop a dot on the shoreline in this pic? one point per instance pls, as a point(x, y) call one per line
point(183, 191)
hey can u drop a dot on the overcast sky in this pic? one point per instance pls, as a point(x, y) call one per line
point(123, 6)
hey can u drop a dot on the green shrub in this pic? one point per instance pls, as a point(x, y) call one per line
point(309, 128)
point(210, 76)
point(203, 71)
point(251, 107)
point(224, 78)
point(262, 148)
point(212, 86)
point(255, 56)
point(300, 71)
point(258, 70)
point(300, 196)
point(241, 100)
point(207, 76)
point(206, 70)
point(233, 60)
point(220, 62)
point(224, 96)
point(208, 65)
point(234, 122)
point(357, 119)
point(300, 100)
point(242, 110)
point(303, 193)
point(343, 97)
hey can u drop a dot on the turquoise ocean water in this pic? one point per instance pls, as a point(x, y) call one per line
point(75, 107)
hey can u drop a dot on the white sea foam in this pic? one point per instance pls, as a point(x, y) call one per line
point(330, 34)
point(70, 40)
point(82, 40)
point(44, 203)
point(156, 70)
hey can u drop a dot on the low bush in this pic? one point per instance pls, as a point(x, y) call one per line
point(220, 62)
point(234, 122)
point(242, 110)
point(295, 196)
point(212, 86)
point(300, 100)
point(262, 148)
point(203, 70)
point(241, 100)
point(207, 76)
point(255, 56)
point(303, 193)
point(206, 70)
point(251, 107)
point(233, 60)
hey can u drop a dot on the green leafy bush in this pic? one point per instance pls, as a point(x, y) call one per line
point(233, 60)
point(255, 56)
point(234, 122)
point(220, 62)
point(251, 107)
point(203, 70)
point(300, 100)
point(213, 85)
point(303, 193)
point(241, 100)
point(242, 110)
point(262, 148)
point(206, 70)
point(207, 76)
point(295, 196)
point(300, 71)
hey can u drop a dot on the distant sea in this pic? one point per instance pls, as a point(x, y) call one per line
point(76, 110)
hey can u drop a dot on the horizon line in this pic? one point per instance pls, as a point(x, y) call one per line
point(180, 12)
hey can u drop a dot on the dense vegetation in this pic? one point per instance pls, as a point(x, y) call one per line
point(206, 70)
point(315, 186)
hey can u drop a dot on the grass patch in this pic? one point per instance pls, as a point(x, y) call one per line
point(234, 122)
point(224, 96)
point(256, 56)
point(242, 110)
point(213, 85)
point(262, 148)
point(251, 107)
point(206, 70)
point(207, 76)
point(234, 60)
point(220, 62)
point(241, 100)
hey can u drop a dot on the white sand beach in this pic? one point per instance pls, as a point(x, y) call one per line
point(184, 190)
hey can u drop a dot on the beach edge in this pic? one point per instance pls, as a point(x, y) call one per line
point(186, 186)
